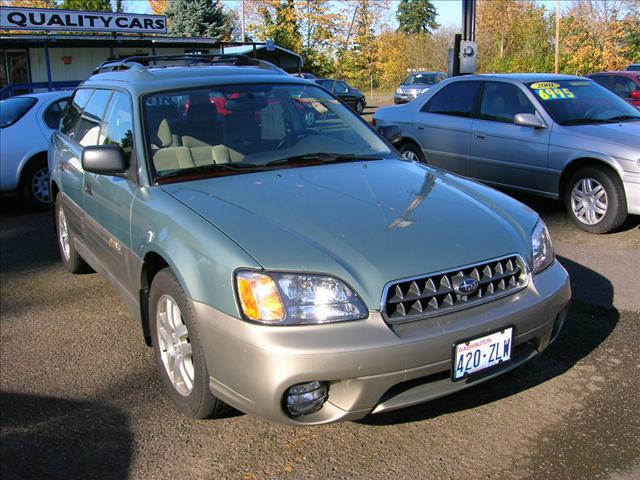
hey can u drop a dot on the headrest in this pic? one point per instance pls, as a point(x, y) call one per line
point(164, 134)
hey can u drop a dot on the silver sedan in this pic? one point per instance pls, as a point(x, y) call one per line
point(558, 136)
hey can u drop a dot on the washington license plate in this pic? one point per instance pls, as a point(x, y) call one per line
point(479, 353)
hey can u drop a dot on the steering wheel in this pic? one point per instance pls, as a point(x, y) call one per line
point(294, 137)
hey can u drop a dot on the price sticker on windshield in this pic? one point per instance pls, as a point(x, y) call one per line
point(551, 91)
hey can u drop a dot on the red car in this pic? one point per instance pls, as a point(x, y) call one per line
point(625, 84)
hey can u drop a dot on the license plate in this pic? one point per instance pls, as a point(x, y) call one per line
point(479, 353)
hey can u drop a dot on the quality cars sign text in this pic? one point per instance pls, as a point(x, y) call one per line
point(77, 20)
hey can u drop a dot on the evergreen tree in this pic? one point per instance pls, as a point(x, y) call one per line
point(197, 18)
point(89, 5)
point(416, 16)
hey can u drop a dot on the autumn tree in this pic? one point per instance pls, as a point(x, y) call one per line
point(279, 23)
point(513, 36)
point(196, 18)
point(159, 6)
point(416, 16)
point(89, 5)
point(318, 26)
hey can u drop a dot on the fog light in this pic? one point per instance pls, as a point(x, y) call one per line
point(306, 398)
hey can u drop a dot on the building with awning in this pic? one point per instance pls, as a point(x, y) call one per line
point(55, 59)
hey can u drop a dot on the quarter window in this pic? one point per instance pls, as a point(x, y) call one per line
point(623, 86)
point(118, 125)
point(53, 114)
point(456, 99)
point(74, 109)
point(88, 126)
point(501, 102)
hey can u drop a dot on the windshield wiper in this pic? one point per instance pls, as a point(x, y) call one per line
point(623, 117)
point(323, 158)
point(584, 121)
point(234, 167)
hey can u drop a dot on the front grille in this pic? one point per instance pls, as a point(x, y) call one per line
point(434, 294)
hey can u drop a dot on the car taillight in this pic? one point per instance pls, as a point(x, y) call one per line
point(373, 122)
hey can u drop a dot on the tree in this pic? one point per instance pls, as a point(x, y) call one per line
point(282, 25)
point(416, 16)
point(196, 18)
point(159, 6)
point(514, 36)
point(89, 5)
point(318, 25)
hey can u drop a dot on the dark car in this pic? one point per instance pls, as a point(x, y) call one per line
point(348, 94)
point(634, 67)
point(624, 84)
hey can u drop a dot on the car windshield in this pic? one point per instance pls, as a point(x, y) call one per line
point(580, 102)
point(421, 79)
point(13, 109)
point(226, 130)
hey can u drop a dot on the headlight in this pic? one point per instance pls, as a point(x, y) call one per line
point(541, 247)
point(399, 91)
point(295, 299)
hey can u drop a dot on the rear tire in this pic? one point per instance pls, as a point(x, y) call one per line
point(595, 200)
point(71, 259)
point(178, 350)
point(34, 186)
point(410, 151)
point(360, 107)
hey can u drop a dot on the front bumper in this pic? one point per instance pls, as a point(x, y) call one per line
point(404, 98)
point(631, 183)
point(370, 366)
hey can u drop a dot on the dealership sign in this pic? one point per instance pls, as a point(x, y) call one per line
point(79, 21)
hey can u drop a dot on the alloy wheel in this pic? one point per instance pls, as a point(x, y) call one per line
point(40, 185)
point(589, 201)
point(410, 155)
point(175, 348)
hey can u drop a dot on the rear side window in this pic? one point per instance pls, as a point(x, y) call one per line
point(53, 114)
point(74, 109)
point(601, 79)
point(118, 124)
point(88, 125)
point(623, 86)
point(501, 102)
point(456, 99)
point(13, 109)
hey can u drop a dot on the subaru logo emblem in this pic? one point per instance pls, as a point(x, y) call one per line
point(466, 286)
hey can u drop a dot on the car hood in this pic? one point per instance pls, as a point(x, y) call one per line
point(623, 133)
point(368, 222)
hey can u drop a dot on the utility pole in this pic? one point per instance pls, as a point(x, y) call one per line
point(244, 38)
point(557, 36)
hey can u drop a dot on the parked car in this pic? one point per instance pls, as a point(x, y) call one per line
point(557, 136)
point(634, 67)
point(348, 94)
point(624, 84)
point(26, 125)
point(415, 84)
point(303, 272)
point(305, 75)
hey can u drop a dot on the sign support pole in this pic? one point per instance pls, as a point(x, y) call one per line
point(48, 63)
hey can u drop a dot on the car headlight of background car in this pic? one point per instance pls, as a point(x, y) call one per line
point(400, 91)
point(542, 248)
point(296, 299)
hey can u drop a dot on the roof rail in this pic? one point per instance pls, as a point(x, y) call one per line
point(190, 59)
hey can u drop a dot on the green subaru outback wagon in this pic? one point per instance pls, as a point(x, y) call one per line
point(280, 255)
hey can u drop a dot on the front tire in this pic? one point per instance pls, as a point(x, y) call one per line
point(34, 186)
point(595, 200)
point(178, 349)
point(412, 152)
point(71, 259)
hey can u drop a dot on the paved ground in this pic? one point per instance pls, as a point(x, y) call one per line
point(80, 397)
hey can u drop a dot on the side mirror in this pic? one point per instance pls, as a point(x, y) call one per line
point(104, 160)
point(635, 94)
point(391, 132)
point(528, 120)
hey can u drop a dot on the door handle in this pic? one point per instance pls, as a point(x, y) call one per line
point(87, 188)
point(479, 135)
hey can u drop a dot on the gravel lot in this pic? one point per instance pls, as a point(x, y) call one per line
point(80, 397)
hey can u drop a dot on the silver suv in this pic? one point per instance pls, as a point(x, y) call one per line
point(281, 256)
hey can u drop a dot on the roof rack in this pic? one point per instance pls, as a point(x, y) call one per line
point(191, 59)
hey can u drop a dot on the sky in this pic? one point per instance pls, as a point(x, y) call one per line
point(449, 11)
